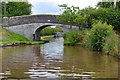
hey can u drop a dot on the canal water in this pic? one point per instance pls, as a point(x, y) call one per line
point(54, 60)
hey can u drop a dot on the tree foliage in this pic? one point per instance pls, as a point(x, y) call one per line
point(72, 16)
point(104, 12)
point(68, 14)
point(17, 9)
point(108, 5)
point(109, 15)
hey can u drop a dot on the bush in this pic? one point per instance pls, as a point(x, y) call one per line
point(109, 15)
point(111, 44)
point(73, 37)
point(49, 31)
point(96, 36)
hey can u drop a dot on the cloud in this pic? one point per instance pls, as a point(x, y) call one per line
point(45, 8)
point(51, 6)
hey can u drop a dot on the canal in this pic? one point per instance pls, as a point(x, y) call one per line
point(54, 60)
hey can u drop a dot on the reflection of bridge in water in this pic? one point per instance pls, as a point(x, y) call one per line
point(30, 26)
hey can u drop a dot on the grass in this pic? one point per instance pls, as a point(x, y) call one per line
point(44, 37)
point(10, 37)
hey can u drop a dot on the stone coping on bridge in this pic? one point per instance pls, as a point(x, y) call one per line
point(27, 19)
point(32, 15)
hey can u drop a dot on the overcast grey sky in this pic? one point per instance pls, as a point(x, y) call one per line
point(51, 6)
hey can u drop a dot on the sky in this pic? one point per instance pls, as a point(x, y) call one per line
point(51, 6)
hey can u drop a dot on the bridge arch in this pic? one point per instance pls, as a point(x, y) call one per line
point(32, 31)
point(29, 26)
point(36, 34)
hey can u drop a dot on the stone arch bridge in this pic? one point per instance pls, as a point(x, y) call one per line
point(30, 26)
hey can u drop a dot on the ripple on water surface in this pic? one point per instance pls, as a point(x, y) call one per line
point(54, 60)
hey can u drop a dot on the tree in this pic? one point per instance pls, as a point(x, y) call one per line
point(108, 5)
point(17, 9)
point(81, 19)
point(107, 13)
point(105, 4)
point(68, 15)
point(72, 16)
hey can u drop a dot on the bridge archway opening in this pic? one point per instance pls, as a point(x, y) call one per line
point(36, 35)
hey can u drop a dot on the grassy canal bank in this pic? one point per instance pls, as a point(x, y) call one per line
point(8, 38)
point(101, 37)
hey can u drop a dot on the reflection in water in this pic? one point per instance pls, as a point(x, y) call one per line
point(53, 60)
point(53, 50)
